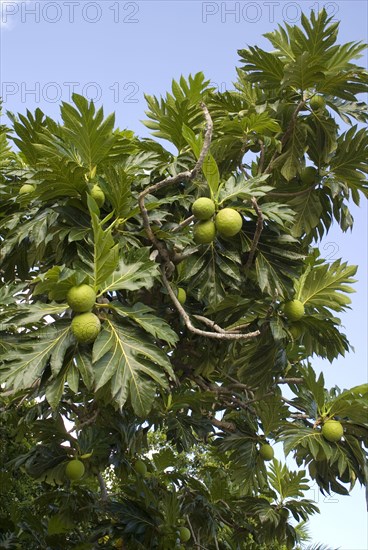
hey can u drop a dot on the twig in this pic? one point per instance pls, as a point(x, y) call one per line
point(257, 234)
point(167, 264)
point(222, 424)
point(210, 324)
point(192, 531)
point(185, 176)
point(272, 305)
point(289, 381)
point(260, 398)
point(182, 224)
point(300, 407)
point(218, 335)
point(102, 484)
point(244, 172)
point(217, 328)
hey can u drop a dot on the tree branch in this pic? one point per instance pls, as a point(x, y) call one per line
point(182, 224)
point(103, 488)
point(290, 381)
point(172, 180)
point(222, 425)
point(217, 335)
point(167, 265)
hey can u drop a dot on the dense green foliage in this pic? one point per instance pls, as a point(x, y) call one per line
point(192, 387)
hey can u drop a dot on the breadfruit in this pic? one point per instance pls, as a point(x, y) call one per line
point(26, 189)
point(203, 208)
point(332, 430)
point(228, 222)
point(204, 232)
point(317, 102)
point(98, 195)
point(81, 298)
point(86, 327)
point(140, 468)
point(266, 452)
point(182, 295)
point(294, 310)
point(184, 534)
point(309, 175)
point(75, 470)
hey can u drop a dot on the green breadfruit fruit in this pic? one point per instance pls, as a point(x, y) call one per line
point(184, 534)
point(317, 102)
point(228, 222)
point(204, 232)
point(140, 468)
point(75, 470)
point(26, 189)
point(81, 298)
point(182, 296)
point(203, 208)
point(309, 175)
point(98, 195)
point(266, 452)
point(86, 327)
point(294, 310)
point(332, 430)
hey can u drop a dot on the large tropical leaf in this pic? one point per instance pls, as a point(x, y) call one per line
point(349, 164)
point(168, 115)
point(86, 132)
point(132, 366)
point(143, 316)
point(325, 286)
point(135, 271)
point(24, 365)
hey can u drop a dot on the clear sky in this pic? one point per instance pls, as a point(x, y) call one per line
point(114, 51)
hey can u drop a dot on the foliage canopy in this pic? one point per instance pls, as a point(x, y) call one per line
point(191, 389)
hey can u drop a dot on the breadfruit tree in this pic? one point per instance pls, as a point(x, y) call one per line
point(161, 312)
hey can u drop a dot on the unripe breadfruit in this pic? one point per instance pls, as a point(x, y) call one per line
point(309, 175)
point(86, 327)
point(81, 298)
point(182, 296)
point(317, 102)
point(203, 208)
point(332, 430)
point(140, 468)
point(98, 195)
point(26, 189)
point(266, 452)
point(184, 534)
point(75, 470)
point(228, 222)
point(294, 310)
point(204, 232)
point(295, 330)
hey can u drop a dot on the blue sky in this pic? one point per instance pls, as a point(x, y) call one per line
point(116, 51)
